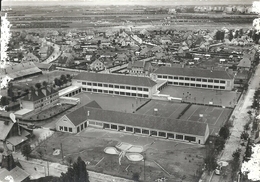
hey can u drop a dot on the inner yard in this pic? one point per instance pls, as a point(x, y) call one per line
point(162, 158)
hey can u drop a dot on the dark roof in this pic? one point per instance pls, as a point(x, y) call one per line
point(192, 72)
point(16, 173)
point(78, 116)
point(5, 129)
point(146, 121)
point(43, 65)
point(39, 94)
point(116, 79)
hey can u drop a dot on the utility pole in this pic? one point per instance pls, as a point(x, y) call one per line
point(61, 152)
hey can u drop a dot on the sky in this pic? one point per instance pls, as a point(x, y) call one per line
point(124, 2)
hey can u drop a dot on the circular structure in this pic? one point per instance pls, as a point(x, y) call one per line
point(134, 157)
point(135, 149)
point(111, 150)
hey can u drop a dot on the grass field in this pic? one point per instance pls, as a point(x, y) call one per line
point(203, 96)
point(114, 103)
point(163, 158)
point(165, 109)
point(214, 116)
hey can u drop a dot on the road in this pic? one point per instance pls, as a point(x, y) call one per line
point(55, 54)
point(241, 118)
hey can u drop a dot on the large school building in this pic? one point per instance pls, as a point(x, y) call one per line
point(146, 125)
point(132, 86)
point(199, 78)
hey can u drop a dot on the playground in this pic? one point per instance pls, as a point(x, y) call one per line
point(163, 109)
point(214, 116)
point(151, 158)
point(203, 96)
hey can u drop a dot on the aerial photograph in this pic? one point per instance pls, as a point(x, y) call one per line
point(130, 91)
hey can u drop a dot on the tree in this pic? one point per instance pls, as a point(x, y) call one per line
point(235, 163)
point(224, 132)
point(38, 85)
point(26, 150)
point(219, 144)
point(76, 173)
point(45, 84)
point(4, 101)
point(136, 176)
point(57, 82)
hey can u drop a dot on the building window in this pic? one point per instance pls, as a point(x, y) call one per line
point(105, 85)
point(65, 128)
point(198, 85)
point(210, 86)
point(117, 93)
point(133, 88)
point(146, 96)
point(111, 92)
point(100, 84)
point(170, 135)
point(170, 77)
point(100, 91)
point(179, 137)
point(181, 78)
point(216, 87)
point(210, 81)
point(221, 87)
point(106, 125)
point(190, 138)
point(122, 93)
point(85, 124)
point(84, 89)
point(128, 94)
point(170, 83)
point(181, 83)
point(187, 78)
point(89, 89)
point(146, 89)
point(137, 130)
point(122, 87)
point(116, 86)
point(82, 126)
point(139, 89)
point(176, 78)
point(162, 134)
point(94, 90)
point(78, 129)
point(192, 84)
point(204, 86)
point(198, 79)
point(153, 133)
point(164, 76)
point(127, 87)
point(89, 83)
point(204, 80)
point(70, 129)
point(159, 76)
point(94, 84)
point(187, 84)
point(84, 83)
point(175, 83)
point(222, 81)
point(105, 91)
point(216, 81)
point(111, 86)
point(192, 79)
point(61, 128)
point(134, 94)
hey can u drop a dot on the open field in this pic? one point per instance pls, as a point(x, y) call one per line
point(165, 109)
point(203, 96)
point(110, 102)
point(214, 116)
point(46, 76)
point(163, 158)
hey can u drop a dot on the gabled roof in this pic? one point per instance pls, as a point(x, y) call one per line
point(16, 173)
point(43, 65)
point(115, 79)
point(192, 72)
point(146, 121)
point(244, 63)
point(5, 129)
point(39, 94)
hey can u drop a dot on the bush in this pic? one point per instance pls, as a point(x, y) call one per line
point(224, 132)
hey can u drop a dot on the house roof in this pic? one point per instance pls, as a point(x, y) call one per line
point(5, 129)
point(43, 65)
point(116, 79)
point(204, 73)
point(17, 174)
point(244, 63)
point(39, 94)
point(138, 120)
point(80, 115)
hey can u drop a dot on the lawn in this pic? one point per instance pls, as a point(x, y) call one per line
point(203, 96)
point(163, 158)
point(214, 116)
point(165, 109)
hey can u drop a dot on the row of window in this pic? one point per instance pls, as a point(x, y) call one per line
point(115, 86)
point(64, 128)
point(197, 85)
point(191, 79)
point(115, 92)
point(152, 133)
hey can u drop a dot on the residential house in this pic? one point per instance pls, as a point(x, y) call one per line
point(139, 68)
point(45, 66)
point(244, 64)
point(30, 57)
point(43, 52)
point(38, 100)
point(165, 40)
point(97, 65)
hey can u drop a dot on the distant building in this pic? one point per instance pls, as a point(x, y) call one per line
point(199, 78)
point(139, 68)
point(97, 65)
point(45, 66)
point(244, 64)
point(131, 86)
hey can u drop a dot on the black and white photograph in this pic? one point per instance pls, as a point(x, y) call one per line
point(130, 91)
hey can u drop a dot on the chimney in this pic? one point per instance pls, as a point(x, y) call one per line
point(7, 158)
point(29, 94)
point(88, 113)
